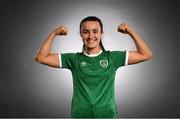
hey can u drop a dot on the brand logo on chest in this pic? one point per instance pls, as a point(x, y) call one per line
point(83, 63)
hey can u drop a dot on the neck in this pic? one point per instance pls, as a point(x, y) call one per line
point(91, 51)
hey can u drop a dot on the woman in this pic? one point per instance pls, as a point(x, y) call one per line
point(94, 68)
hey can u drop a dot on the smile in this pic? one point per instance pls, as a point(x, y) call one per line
point(91, 41)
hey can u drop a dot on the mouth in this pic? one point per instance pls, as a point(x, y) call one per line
point(91, 41)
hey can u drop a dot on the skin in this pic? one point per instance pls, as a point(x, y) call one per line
point(143, 52)
point(44, 55)
point(91, 35)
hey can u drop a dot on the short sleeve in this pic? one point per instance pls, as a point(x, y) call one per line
point(67, 60)
point(119, 58)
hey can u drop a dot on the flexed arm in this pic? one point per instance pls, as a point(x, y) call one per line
point(143, 52)
point(44, 55)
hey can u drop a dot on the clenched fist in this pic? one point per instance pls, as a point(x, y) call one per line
point(62, 30)
point(123, 28)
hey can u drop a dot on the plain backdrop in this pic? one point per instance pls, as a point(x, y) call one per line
point(29, 89)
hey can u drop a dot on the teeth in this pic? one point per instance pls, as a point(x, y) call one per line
point(91, 41)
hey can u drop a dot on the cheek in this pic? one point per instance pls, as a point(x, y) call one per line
point(98, 36)
point(83, 36)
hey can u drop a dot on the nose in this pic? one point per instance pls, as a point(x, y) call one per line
point(90, 35)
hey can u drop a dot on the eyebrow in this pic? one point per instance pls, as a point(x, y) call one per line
point(92, 30)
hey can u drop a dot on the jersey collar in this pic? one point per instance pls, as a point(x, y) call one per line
point(91, 55)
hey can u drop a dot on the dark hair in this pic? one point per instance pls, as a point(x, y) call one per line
point(93, 18)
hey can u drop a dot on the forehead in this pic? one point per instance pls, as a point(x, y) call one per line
point(91, 25)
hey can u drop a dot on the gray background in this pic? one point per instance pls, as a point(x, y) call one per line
point(29, 89)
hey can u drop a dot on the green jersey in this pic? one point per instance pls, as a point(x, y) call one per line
point(93, 82)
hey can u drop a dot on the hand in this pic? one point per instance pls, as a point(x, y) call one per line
point(123, 28)
point(62, 30)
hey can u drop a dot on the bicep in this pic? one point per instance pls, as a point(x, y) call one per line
point(50, 60)
point(135, 57)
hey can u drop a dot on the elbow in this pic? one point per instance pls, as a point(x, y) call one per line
point(38, 58)
point(149, 56)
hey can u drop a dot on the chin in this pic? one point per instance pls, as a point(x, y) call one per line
point(91, 46)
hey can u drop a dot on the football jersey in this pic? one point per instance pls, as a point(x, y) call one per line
point(93, 82)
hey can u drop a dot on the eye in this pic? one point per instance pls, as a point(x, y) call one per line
point(85, 31)
point(95, 31)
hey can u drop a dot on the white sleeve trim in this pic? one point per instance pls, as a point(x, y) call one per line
point(60, 61)
point(126, 60)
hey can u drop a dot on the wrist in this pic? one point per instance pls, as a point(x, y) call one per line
point(130, 32)
point(53, 34)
